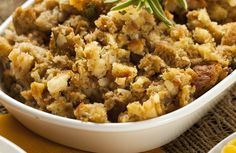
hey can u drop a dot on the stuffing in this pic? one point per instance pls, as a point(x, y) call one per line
point(202, 36)
point(5, 47)
point(172, 56)
point(121, 70)
point(208, 54)
point(95, 64)
point(195, 4)
point(152, 64)
point(230, 36)
point(63, 40)
point(78, 23)
point(116, 102)
point(61, 108)
point(21, 63)
point(49, 19)
point(81, 4)
point(118, 96)
point(137, 46)
point(175, 79)
point(231, 2)
point(78, 59)
point(137, 112)
point(37, 90)
point(207, 76)
point(140, 84)
point(201, 19)
point(91, 112)
point(44, 5)
point(217, 12)
point(24, 19)
point(179, 31)
point(105, 23)
point(65, 6)
point(185, 95)
point(57, 84)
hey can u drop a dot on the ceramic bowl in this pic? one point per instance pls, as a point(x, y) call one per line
point(218, 148)
point(114, 137)
point(7, 146)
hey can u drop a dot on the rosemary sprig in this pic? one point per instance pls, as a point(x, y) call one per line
point(152, 6)
point(183, 3)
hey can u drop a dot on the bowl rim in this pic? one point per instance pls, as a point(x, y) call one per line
point(12, 146)
point(116, 127)
point(223, 143)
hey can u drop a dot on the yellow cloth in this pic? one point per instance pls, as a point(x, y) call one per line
point(11, 129)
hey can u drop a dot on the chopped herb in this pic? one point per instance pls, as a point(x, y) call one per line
point(152, 6)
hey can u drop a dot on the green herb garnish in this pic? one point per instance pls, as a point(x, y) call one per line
point(152, 6)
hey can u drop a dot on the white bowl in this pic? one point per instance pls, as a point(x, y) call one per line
point(7, 146)
point(218, 148)
point(114, 137)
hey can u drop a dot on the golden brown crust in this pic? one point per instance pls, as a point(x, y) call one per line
point(230, 35)
point(24, 20)
point(207, 77)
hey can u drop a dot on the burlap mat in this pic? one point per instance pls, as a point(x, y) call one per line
point(219, 123)
point(211, 129)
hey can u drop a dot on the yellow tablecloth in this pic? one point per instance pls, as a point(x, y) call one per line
point(11, 129)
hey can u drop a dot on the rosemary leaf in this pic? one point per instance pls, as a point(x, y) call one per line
point(158, 13)
point(183, 3)
point(123, 5)
point(140, 4)
point(152, 6)
point(148, 7)
point(158, 5)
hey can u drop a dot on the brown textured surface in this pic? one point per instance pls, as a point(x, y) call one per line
point(8, 6)
point(219, 123)
point(215, 126)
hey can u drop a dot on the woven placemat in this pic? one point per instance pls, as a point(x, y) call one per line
point(211, 129)
point(219, 123)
